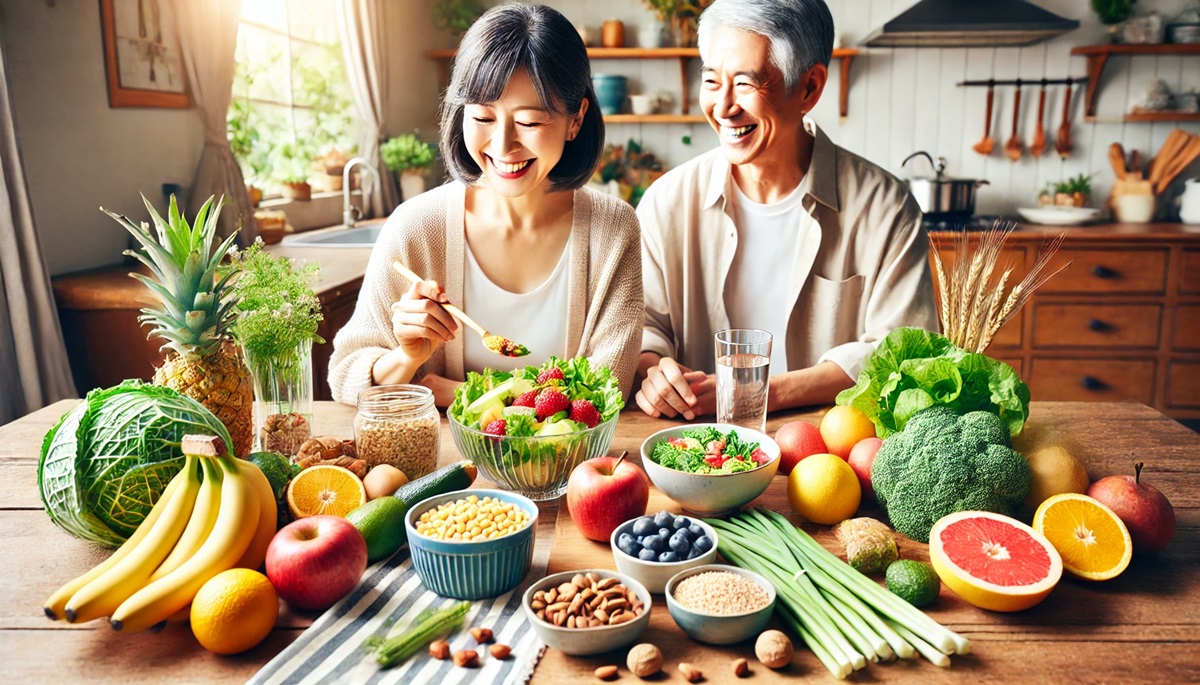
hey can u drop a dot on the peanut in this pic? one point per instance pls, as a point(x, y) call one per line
point(481, 635)
point(500, 651)
point(741, 668)
point(439, 649)
point(693, 674)
point(607, 672)
point(466, 659)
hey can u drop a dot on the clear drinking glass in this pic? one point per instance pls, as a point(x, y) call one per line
point(743, 369)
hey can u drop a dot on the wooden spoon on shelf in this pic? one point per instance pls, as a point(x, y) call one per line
point(495, 343)
point(985, 145)
point(1039, 134)
point(1063, 143)
point(1014, 147)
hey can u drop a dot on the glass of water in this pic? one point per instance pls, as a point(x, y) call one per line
point(743, 369)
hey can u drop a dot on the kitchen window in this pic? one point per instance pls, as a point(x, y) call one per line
point(291, 100)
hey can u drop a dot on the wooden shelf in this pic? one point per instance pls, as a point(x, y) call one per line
point(654, 119)
point(1097, 58)
point(842, 55)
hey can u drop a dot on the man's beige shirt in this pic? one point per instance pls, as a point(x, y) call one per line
point(860, 266)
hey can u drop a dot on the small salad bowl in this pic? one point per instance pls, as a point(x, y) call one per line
point(712, 494)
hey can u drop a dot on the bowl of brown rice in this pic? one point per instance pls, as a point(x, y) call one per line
point(720, 604)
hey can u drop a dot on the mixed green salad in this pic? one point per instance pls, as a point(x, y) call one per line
point(708, 450)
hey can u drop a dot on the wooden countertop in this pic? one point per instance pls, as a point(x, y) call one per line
point(1142, 626)
point(1027, 232)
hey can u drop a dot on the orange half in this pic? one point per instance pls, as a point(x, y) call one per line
point(1092, 540)
point(325, 489)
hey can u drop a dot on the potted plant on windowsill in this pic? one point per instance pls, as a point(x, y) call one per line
point(456, 16)
point(291, 165)
point(411, 157)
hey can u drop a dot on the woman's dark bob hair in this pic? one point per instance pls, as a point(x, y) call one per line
point(543, 42)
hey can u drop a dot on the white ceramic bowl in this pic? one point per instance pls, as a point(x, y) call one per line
point(582, 641)
point(655, 574)
point(717, 493)
point(720, 630)
point(1058, 215)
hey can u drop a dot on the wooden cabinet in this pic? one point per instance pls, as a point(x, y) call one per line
point(1121, 321)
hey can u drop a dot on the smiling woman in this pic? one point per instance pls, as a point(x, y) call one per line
point(516, 235)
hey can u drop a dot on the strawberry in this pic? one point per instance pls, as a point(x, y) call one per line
point(759, 456)
point(525, 399)
point(583, 411)
point(552, 373)
point(497, 427)
point(549, 402)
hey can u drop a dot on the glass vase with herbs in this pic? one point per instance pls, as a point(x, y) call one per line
point(277, 314)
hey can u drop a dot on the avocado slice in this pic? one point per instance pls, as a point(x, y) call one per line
point(559, 428)
point(509, 388)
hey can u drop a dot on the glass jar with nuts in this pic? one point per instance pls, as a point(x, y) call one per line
point(398, 425)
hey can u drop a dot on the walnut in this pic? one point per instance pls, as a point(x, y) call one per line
point(284, 433)
point(324, 447)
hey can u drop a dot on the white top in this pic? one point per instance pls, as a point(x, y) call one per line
point(536, 319)
point(762, 267)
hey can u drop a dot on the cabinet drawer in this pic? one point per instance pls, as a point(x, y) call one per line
point(1092, 380)
point(1077, 325)
point(1189, 272)
point(1187, 328)
point(1183, 390)
point(1107, 271)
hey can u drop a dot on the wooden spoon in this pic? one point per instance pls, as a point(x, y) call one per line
point(1039, 134)
point(1063, 143)
point(985, 145)
point(495, 343)
point(1014, 147)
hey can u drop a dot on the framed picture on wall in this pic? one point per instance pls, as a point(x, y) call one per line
point(142, 55)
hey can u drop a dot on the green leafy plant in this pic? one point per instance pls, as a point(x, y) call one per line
point(277, 311)
point(665, 9)
point(292, 162)
point(456, 15)
point(1113, 11)
point(406, 152)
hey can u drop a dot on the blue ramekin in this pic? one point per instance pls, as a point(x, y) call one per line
point(472, 570)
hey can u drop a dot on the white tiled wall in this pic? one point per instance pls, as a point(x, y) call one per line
point(902, 100)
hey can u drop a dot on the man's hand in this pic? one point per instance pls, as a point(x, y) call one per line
point(671, 389)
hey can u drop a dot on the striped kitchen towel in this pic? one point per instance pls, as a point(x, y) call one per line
point(387, 599)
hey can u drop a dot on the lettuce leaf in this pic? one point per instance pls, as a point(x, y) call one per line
point(913, 369)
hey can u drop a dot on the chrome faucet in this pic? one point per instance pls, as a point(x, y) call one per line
point(350, 213)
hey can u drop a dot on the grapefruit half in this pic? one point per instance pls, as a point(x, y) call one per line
point(993, 561)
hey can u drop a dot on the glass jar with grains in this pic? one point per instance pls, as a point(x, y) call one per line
point(398, 425)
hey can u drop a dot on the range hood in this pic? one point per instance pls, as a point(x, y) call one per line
point(969, 23)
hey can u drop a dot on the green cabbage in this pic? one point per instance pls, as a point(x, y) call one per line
point(104, 465)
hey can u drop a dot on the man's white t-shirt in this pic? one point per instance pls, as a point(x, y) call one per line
point(758, 278)
point(536, 319)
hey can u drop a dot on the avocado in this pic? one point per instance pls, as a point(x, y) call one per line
point(509, 388)
point(559, 428)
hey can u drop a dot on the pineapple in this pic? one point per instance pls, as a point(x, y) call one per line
point(193, 314)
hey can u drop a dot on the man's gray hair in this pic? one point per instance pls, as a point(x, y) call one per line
point(800, 31)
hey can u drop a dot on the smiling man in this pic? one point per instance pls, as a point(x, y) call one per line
point(778, 229)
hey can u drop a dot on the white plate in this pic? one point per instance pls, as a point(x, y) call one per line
point(1058, 215)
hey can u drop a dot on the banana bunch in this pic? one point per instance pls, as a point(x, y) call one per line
point(217, 513)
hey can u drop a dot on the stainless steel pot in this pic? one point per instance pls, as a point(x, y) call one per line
point(942, 196)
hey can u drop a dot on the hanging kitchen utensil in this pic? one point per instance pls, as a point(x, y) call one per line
point(1063, 142)
point(1116, 157)
point(1039, 134)
point(985, 145)
point(1014, 147)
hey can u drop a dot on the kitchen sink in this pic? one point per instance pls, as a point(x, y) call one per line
point(359, 236)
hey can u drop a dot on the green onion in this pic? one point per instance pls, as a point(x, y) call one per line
point(399, 647)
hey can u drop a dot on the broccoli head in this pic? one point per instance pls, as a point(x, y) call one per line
point(942, 463)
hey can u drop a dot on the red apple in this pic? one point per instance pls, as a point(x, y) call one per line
point(862, 455)
point(315, 561)
point(797, 440)
point(603, 493)
point(1145, 511)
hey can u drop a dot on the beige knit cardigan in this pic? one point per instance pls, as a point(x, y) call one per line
point(427, 233)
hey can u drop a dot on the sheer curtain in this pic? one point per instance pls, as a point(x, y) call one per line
point(34, 370)
point(360, 23)
point(208, 35)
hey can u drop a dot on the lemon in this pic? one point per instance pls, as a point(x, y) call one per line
point(823, 489)
point(234, 611)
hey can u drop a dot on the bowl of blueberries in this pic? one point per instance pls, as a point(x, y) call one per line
point(652, 549)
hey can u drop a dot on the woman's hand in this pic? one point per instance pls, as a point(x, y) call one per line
point(420, 323)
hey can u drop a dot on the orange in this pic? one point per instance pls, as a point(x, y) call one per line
point(824, 489)
point(325, 489)
point(1093, 542)
point(992, 561)
point(234, 611)
point(842, 427)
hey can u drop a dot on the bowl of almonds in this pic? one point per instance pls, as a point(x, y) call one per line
point(588, 612)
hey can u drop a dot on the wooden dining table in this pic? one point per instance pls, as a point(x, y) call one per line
point(1143, 626)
